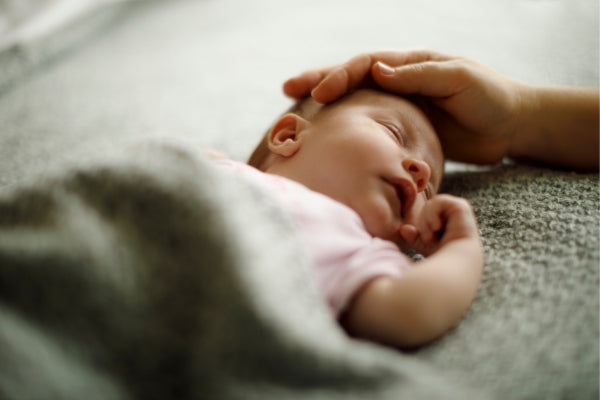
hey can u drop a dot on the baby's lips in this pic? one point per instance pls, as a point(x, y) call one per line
point(407, 193)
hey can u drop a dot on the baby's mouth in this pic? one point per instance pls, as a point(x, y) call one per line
point(406, 193)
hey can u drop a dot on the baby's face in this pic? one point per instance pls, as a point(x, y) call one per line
point(378, 154)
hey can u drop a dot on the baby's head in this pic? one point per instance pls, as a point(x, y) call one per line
point(372, 151)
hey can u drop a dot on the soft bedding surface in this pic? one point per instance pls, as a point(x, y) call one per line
point(131, 268)
point(131, 279)
point(153, 275)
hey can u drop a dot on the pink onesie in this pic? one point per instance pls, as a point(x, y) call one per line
point(344, 255)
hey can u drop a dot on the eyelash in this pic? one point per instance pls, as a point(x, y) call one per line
point(394, 131)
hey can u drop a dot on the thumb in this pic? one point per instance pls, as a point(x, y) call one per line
point(409, 233)
point(429, 78)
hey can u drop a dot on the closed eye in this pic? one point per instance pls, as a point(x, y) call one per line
point(394, 131)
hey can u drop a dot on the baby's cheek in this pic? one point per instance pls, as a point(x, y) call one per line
point(379, 219)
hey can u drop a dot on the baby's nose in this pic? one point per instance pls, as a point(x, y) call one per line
point(419, 171)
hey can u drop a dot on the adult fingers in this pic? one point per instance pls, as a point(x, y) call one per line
point(436, 79)
point(301, 85)
point(397, 58)
point(329, 83)
point(357, 71)
point(343, 79)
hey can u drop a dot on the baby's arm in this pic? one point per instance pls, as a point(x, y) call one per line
point(430, 298)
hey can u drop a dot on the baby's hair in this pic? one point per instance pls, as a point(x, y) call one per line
point(306, 108)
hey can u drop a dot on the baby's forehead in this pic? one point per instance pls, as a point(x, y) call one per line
point(385, 104)
point(380, 99)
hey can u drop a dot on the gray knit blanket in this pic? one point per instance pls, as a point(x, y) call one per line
point(151, 274)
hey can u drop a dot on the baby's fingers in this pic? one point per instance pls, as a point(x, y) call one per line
point(416, 241)
point(431, 224)
point(410, 234)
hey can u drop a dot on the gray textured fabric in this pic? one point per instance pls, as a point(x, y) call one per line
point(533, 329)
point(155, 276)
point(98, 299)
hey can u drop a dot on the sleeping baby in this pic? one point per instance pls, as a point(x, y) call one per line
point(359, 177)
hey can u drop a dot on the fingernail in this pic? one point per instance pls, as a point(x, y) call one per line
point(315, 93)
point(385, 69)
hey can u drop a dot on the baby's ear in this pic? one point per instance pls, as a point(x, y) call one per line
point(285, 138)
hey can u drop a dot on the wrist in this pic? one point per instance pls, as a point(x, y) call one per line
point(467, 251)
point(470, 247)
point(558, 125)
point(526, 124)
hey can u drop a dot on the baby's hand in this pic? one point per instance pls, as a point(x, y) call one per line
point(443, 219)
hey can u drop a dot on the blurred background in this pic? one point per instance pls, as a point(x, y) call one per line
point(75, 74)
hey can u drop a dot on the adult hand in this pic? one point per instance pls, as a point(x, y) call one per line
point(480, 115)
point(473, 108)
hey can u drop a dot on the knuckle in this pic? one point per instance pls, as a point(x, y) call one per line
point(357, 68)
point(361, 60)
point(463, 203)
point(459, 203)
point(461, 67)
point(419, 68)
